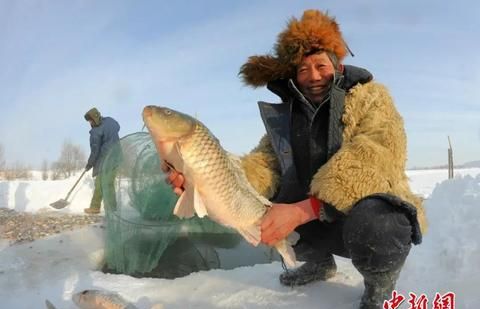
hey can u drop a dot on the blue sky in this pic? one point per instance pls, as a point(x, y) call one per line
point(60, 58)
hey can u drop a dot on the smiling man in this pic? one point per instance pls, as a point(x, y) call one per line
point(333, 161)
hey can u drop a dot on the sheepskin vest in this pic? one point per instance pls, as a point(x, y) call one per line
point(316, 134)
point(278, 123)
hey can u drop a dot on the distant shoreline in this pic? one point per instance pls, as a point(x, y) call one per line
point(471, 164)
point(440, 168)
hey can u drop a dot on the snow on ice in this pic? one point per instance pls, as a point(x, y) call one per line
point(56, 267)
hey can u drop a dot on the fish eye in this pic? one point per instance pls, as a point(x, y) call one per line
point(168, 112)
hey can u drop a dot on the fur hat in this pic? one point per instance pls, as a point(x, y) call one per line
point(314, 31)
point(93, 114)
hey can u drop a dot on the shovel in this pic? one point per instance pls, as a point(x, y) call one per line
point(62, 203)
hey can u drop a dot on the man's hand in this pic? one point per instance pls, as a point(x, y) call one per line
point(174, 178)
point(88, 167)
point(282, 219)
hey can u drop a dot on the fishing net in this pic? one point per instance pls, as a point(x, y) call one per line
point(144, 238)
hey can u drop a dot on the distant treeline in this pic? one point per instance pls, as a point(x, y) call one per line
point(72, 158)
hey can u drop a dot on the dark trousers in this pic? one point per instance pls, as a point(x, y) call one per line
point(376, 235)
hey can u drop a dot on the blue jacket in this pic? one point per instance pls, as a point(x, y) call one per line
point(102, 138)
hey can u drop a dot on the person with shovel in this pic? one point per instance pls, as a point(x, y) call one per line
point(103, 138)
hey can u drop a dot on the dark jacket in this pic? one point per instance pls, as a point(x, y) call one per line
point(102, 138)
point(355, 147)
point(305, 137)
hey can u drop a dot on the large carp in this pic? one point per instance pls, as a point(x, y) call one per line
point(215, 183)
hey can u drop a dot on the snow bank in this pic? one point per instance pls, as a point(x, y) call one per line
point(36, 195)
point(449, 256)
point(56, 267)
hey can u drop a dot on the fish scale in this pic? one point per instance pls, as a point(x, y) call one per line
point(204, 155)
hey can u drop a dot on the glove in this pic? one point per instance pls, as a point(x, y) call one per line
point(88, 167)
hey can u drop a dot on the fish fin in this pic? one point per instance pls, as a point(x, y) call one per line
point(242, 177)
point(198, 203)
point(49, 304)
point(184, 206)
point(287, 253)
point(252, 234)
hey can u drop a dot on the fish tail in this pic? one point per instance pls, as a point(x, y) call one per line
point(286, 251)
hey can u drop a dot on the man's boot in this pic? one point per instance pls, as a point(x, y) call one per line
point(378, 288)
point(92, 211)
point(309, 272)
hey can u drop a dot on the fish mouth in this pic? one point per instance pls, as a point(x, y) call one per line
point(147, 115)
point(147, 112)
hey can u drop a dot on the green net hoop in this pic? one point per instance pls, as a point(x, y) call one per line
point(143, 237)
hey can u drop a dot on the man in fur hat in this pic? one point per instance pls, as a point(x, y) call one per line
point(332, 161)
point(103, 138)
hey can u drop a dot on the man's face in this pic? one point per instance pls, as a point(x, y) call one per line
point(314, 75)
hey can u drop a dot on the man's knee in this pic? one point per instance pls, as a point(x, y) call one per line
point(377, 235)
